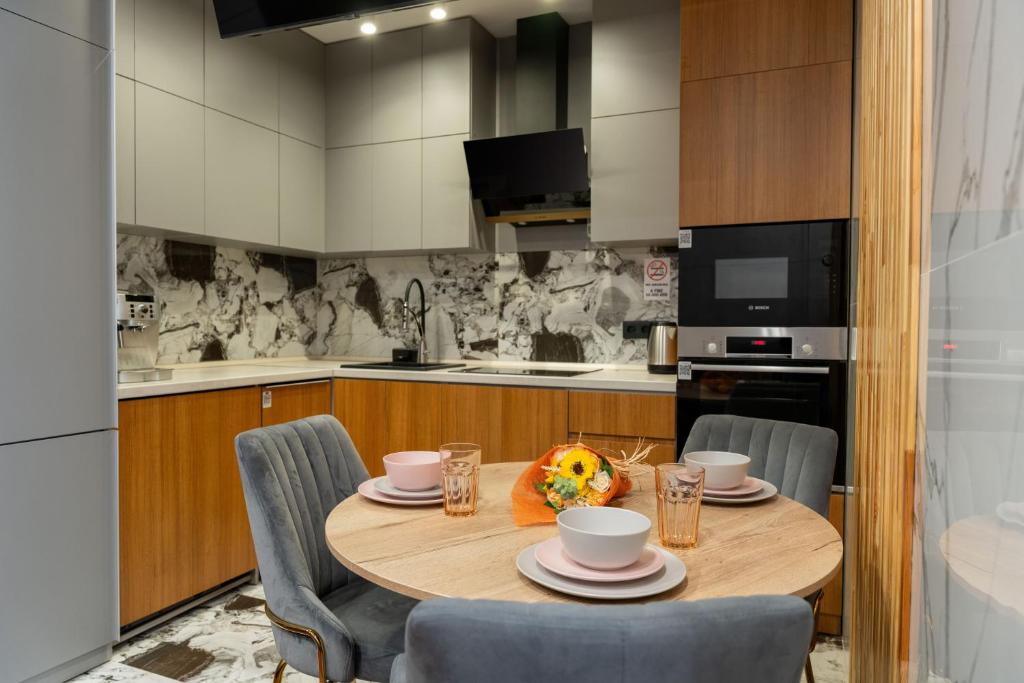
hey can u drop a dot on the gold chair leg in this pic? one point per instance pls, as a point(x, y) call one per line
point(321, 652)
point(808, 670)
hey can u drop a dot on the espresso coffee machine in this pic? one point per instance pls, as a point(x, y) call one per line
point(138, 331)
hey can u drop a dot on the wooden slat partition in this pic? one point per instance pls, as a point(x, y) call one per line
point(888, 312)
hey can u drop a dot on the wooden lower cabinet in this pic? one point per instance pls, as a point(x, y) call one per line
point(830, 615)
point(361, 407)
point(664, 449)
point(183, 523)
point(616, 420)
point(286, 402)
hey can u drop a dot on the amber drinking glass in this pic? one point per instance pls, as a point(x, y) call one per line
point(680, 489)
point(460, 478)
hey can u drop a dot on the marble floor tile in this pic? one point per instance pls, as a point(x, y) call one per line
point(229, 639)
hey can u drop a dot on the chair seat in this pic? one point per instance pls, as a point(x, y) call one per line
point(375, 618)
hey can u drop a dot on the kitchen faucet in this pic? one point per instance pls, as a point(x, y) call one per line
point(421, 324)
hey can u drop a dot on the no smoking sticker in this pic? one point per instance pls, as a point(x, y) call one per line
point(657, 279)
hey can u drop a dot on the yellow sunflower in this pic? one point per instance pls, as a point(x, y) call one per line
point(579, 465)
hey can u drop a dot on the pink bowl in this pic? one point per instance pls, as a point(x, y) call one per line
point(413, 470)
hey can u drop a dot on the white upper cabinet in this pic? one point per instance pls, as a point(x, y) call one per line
point(301, 92)
point(241, 75)
point(635, 63)
point(169, 46)
point(349, 93)
point(56, 254)
point(302, 195)
point(634, 185)
point(446, 78)
point(89, 20)
point(349, 199)
point(241, 180)
point(397, 86)
point(124, 38)
point(168, 161)
point(397, 190)
point(124, 143)
point(448, 221)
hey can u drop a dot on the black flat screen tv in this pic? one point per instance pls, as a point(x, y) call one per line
point(248, 17)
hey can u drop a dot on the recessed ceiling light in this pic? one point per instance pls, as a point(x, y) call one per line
point(438, 13)
point(368, 27)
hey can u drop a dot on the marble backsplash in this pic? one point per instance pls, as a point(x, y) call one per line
point(226, 303)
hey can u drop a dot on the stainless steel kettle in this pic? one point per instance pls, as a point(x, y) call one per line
point(661, 348)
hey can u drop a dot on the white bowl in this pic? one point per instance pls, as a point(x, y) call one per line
point(722, 470)
point(603, 537)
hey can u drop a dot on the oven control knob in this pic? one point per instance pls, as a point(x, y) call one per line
point(712, 347)
point(807, 349)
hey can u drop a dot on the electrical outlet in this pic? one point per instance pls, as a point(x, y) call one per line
point(636, 329)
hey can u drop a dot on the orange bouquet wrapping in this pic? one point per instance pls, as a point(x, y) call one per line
point(567, 476)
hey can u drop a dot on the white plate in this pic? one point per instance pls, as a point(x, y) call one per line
point(666, 578)
point(367, 490)
point(769, 491)
point(384, 485)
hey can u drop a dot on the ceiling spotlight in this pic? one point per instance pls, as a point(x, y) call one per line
point(368, 27)
point(438, 12)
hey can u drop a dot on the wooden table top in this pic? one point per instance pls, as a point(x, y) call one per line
point(988, 557)
point(774, 547)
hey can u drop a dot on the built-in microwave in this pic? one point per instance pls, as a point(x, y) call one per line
point(781, 275)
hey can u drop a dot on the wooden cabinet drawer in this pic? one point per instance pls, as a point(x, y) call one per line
point(652, 416)
point(664, 449)
point(287, 402)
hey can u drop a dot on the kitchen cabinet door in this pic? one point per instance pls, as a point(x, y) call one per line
point(168, 161)
point(349, 218)
point(397, 86)
point(302, 195)
point(635, 66)
point(241, 74)
point(301, 99)
point(830, 618)
point(413, 416)
point(664, 450)
point(89, 20)
point(183, 523)
point(169, 46)
point(446, 78)
point(634, 185)
point(766, 147)
point(349, 93)
point(397, 196)
point(241, 180)
point(56, 217)
point(448, 220)
point(58, 506)
point(361, 407)
point(286, 402)
point(624, 414)
point(124, 142)
point(124, 38)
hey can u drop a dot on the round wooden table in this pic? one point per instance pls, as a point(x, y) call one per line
point(773, 547)
point(987, 556)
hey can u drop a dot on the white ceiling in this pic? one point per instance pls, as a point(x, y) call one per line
point(497, 16)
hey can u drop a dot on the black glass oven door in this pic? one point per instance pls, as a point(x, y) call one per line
point(783, 275)
point(806, 394)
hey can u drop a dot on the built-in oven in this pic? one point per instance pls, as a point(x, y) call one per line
point(777, 275)
point(807, 392)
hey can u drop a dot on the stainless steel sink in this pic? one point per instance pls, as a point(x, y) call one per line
point(397, 365)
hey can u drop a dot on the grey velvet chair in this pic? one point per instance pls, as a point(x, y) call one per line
point(799, 459)
point(327, 622)
point(731, 640)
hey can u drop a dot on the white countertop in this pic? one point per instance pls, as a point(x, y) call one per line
point(231, 374)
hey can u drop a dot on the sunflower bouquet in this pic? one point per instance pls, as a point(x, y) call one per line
point(569, 476)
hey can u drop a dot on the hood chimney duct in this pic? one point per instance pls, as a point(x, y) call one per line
point(542, 73)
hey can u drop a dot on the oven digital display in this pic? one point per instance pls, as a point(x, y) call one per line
point(752, 278)
point(759, 346)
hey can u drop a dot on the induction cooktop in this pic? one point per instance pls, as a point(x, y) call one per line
point(524, 372)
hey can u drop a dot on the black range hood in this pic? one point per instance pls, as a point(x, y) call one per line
point(539, 176)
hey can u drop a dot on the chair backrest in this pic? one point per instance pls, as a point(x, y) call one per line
point(293, 475)
point(799, 459)
point(731, 640)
